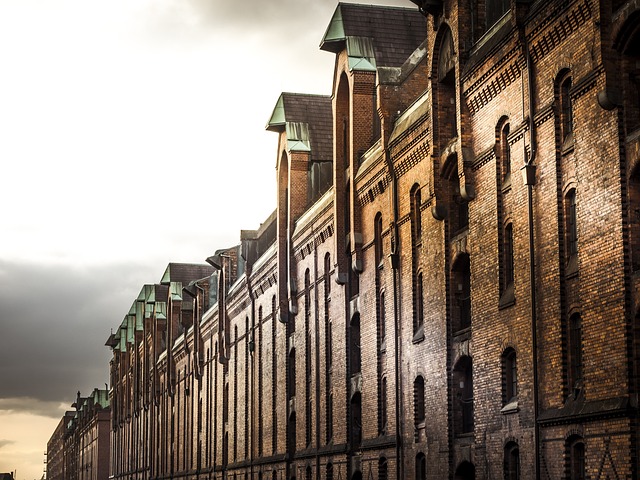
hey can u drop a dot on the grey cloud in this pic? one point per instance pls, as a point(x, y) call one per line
point(32, 406)
point(55, 320)
point(4, 443)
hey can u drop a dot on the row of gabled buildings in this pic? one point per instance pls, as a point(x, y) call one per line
point(448, 286)
point(79, 446)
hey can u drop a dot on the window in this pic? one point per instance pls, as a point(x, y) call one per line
point(421, 467)
point(329, 471)
point(494, 11)
point(575, 353)
point(382, 323)
point(382, 409)
point(419, 408)
point(355, 355)
point(383, 469)
point(461, 283)
point(416, 215)
point(576, 458)
point(511, 461)
point(378, 240)
point(507, 267)
point(463, 395)
point(418, 314)
point(566, 110)
point(571, 231)
point(505, 155)
point(509, 376)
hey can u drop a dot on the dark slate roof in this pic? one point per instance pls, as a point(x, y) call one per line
point(185, 272)
point(312, 110)
point(396, 31)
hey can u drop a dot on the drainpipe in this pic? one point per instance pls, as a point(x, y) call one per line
point(529, 178)
point(397, 327)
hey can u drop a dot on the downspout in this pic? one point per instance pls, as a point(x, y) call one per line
point(394, 257)
point(252, 343)
point(529, 179)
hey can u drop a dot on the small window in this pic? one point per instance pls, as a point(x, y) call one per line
point(575, 353)
point(576, 458)
point(383, 469)
point(421, 466)
point(419, 408)
point(510, 376)
point(566, 112)
point(511, 461)
point(571, 231)
point(383, 419)
point(505, 155)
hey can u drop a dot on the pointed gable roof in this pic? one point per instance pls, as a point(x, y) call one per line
point(308, 121)
point(375, 36)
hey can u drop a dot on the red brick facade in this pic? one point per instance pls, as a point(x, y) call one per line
point(461, 301)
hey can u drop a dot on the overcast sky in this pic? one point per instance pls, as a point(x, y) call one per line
point(131, 135)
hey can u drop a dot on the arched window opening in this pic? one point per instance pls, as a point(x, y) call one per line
point(329, 475)
point(308, 473)
point(419, 413)
point(461, 295)
point(571, 232)
point(421, 467)
point(463, 395)
point(575, 354)
point(383, 469)
point(575, 455)
point(505, 155)
point(356, 420)
point(507, 267)
point(382, 408)
point(355, 354)
point(465, 471)
point(565, 110)
point(377, 226)
point(511, 461)
point(418, 308)
point(509, 376)
point(291, 377)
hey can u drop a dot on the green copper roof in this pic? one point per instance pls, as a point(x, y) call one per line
point(278, 117)
point(175, 289)
point(161, 310)
point(139, 316)
point(298, 137)
point(335, 30)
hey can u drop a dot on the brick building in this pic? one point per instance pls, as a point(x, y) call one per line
point(448, 285)
point(79, 446)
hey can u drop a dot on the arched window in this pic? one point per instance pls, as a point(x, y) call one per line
point(419, 414)
point(509, 376)
point(382, 407)
point(565, 110)
point(383, 469)
point(377, 240)
point(575, 353)
point(329, 471)
point(355, 354)
point(421, 467)
point(418, 313)
point(571, 231)
point(511, 461)
point(461, 283)
point(463, 395)
point(505, 155)
point(575, 455)
point(507, 267)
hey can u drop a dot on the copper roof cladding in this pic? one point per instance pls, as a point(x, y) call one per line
point(312, 110)
point(396, 31)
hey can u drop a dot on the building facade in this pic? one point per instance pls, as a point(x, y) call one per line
point(448, 286)
point(79, 446)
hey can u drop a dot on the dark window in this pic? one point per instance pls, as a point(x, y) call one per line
point(418, 314)
point(505, 154)
point(566, 109)
point(329, 471)
point(575, 351)
point(576, 458)
point(461, 273)
point(508, 256)
point(382, 323)
point(494, 11)
point(419, 407)
point(416, 214)
point(355, 355)
point(383, 469)
point(572, 227)
point(509, 375)
point(291, 380)
point(511, 461)
point(378, 239)
point(383, 420)
point(421, 467)
point(356, 420)
point(463, 393)
point(307, 473)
